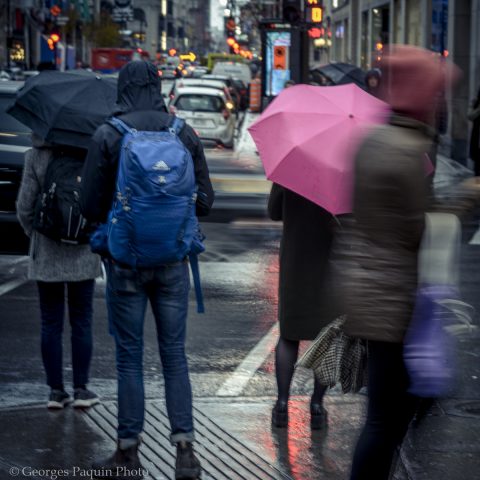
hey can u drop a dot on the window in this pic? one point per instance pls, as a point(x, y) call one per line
point(199, 103)
point(364, 54)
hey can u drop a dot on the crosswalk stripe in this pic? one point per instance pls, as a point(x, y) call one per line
point(239, 379)
point(476, 238)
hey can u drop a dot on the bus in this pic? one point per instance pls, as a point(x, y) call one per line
point(111, 60)
point(213, 58)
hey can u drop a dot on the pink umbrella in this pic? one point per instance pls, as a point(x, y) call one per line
point(308, 136)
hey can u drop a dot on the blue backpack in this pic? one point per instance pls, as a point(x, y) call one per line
point(152, 221)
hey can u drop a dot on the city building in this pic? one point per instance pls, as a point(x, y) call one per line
point(152, 25)
point(361, 29)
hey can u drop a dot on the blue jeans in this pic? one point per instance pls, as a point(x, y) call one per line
point(52, 309)
point(167, 289)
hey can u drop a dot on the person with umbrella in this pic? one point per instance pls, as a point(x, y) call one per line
point(310, 164)
point(64, 269)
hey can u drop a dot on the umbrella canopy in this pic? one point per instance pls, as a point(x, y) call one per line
point(65, 108)
point(341, 74)
point(308, 136)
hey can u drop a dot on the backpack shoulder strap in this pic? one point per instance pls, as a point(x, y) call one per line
point(193, 258)
point(176, 124)
point(120, 126)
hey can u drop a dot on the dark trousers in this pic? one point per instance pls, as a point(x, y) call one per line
point(52, 308)
point(390, 410)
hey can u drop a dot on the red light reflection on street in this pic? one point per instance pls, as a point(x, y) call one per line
point(290, 447)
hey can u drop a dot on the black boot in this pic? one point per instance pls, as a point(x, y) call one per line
point(280, 414)
point(124, 464)
point(318, 418)
point(187, 466)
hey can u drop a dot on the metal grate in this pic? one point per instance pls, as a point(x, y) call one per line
point(223, 457)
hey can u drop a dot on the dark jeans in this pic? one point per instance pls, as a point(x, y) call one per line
point(128, 291)
point(390, 410)
point(52, 308)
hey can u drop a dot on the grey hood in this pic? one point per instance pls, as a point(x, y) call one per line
point(139, 88)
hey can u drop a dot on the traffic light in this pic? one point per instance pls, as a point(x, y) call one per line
point(53, 39)
point(313, 12)
point(280, 57)
point(230, 27)
point(292, 11)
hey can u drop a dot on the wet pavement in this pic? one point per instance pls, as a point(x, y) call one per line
point(230, 351)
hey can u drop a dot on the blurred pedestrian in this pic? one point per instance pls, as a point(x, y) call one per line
point(390, 201)
point(474, 116)
point(165, 286)
point(65, 274)
point(372, 81)
point(304, 250)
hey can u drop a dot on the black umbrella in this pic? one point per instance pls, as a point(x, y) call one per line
point(340, 74)
point(65, 108)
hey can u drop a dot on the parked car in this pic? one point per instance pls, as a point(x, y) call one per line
point(208, 112)
point(14, 142)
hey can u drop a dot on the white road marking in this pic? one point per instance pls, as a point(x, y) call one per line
point(9, 266)
point(239, 379)
point(476, 238)
point(14, 148)
point(11, 285)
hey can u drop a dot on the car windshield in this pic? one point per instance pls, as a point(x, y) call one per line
point(199, 103)
point(7, 122)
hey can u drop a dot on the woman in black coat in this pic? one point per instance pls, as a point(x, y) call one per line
point(304, 251)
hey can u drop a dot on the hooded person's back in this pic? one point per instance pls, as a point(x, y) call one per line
point(139, 88)
point(140, 105)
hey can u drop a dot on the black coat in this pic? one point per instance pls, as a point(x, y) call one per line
point(474, 116)
point(140, 105)
point(304, 254)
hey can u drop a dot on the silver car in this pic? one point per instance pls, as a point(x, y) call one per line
point(208, 111)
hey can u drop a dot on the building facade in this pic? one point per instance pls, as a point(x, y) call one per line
point(153, 25)
point(361, 29)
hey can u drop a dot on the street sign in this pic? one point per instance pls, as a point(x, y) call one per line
point(122, 14)
point(190, 57)
point(62, 20)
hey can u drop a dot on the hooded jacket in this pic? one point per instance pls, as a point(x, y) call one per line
point(140, 105)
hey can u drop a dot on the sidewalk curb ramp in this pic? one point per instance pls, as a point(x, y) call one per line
point(223, 457)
